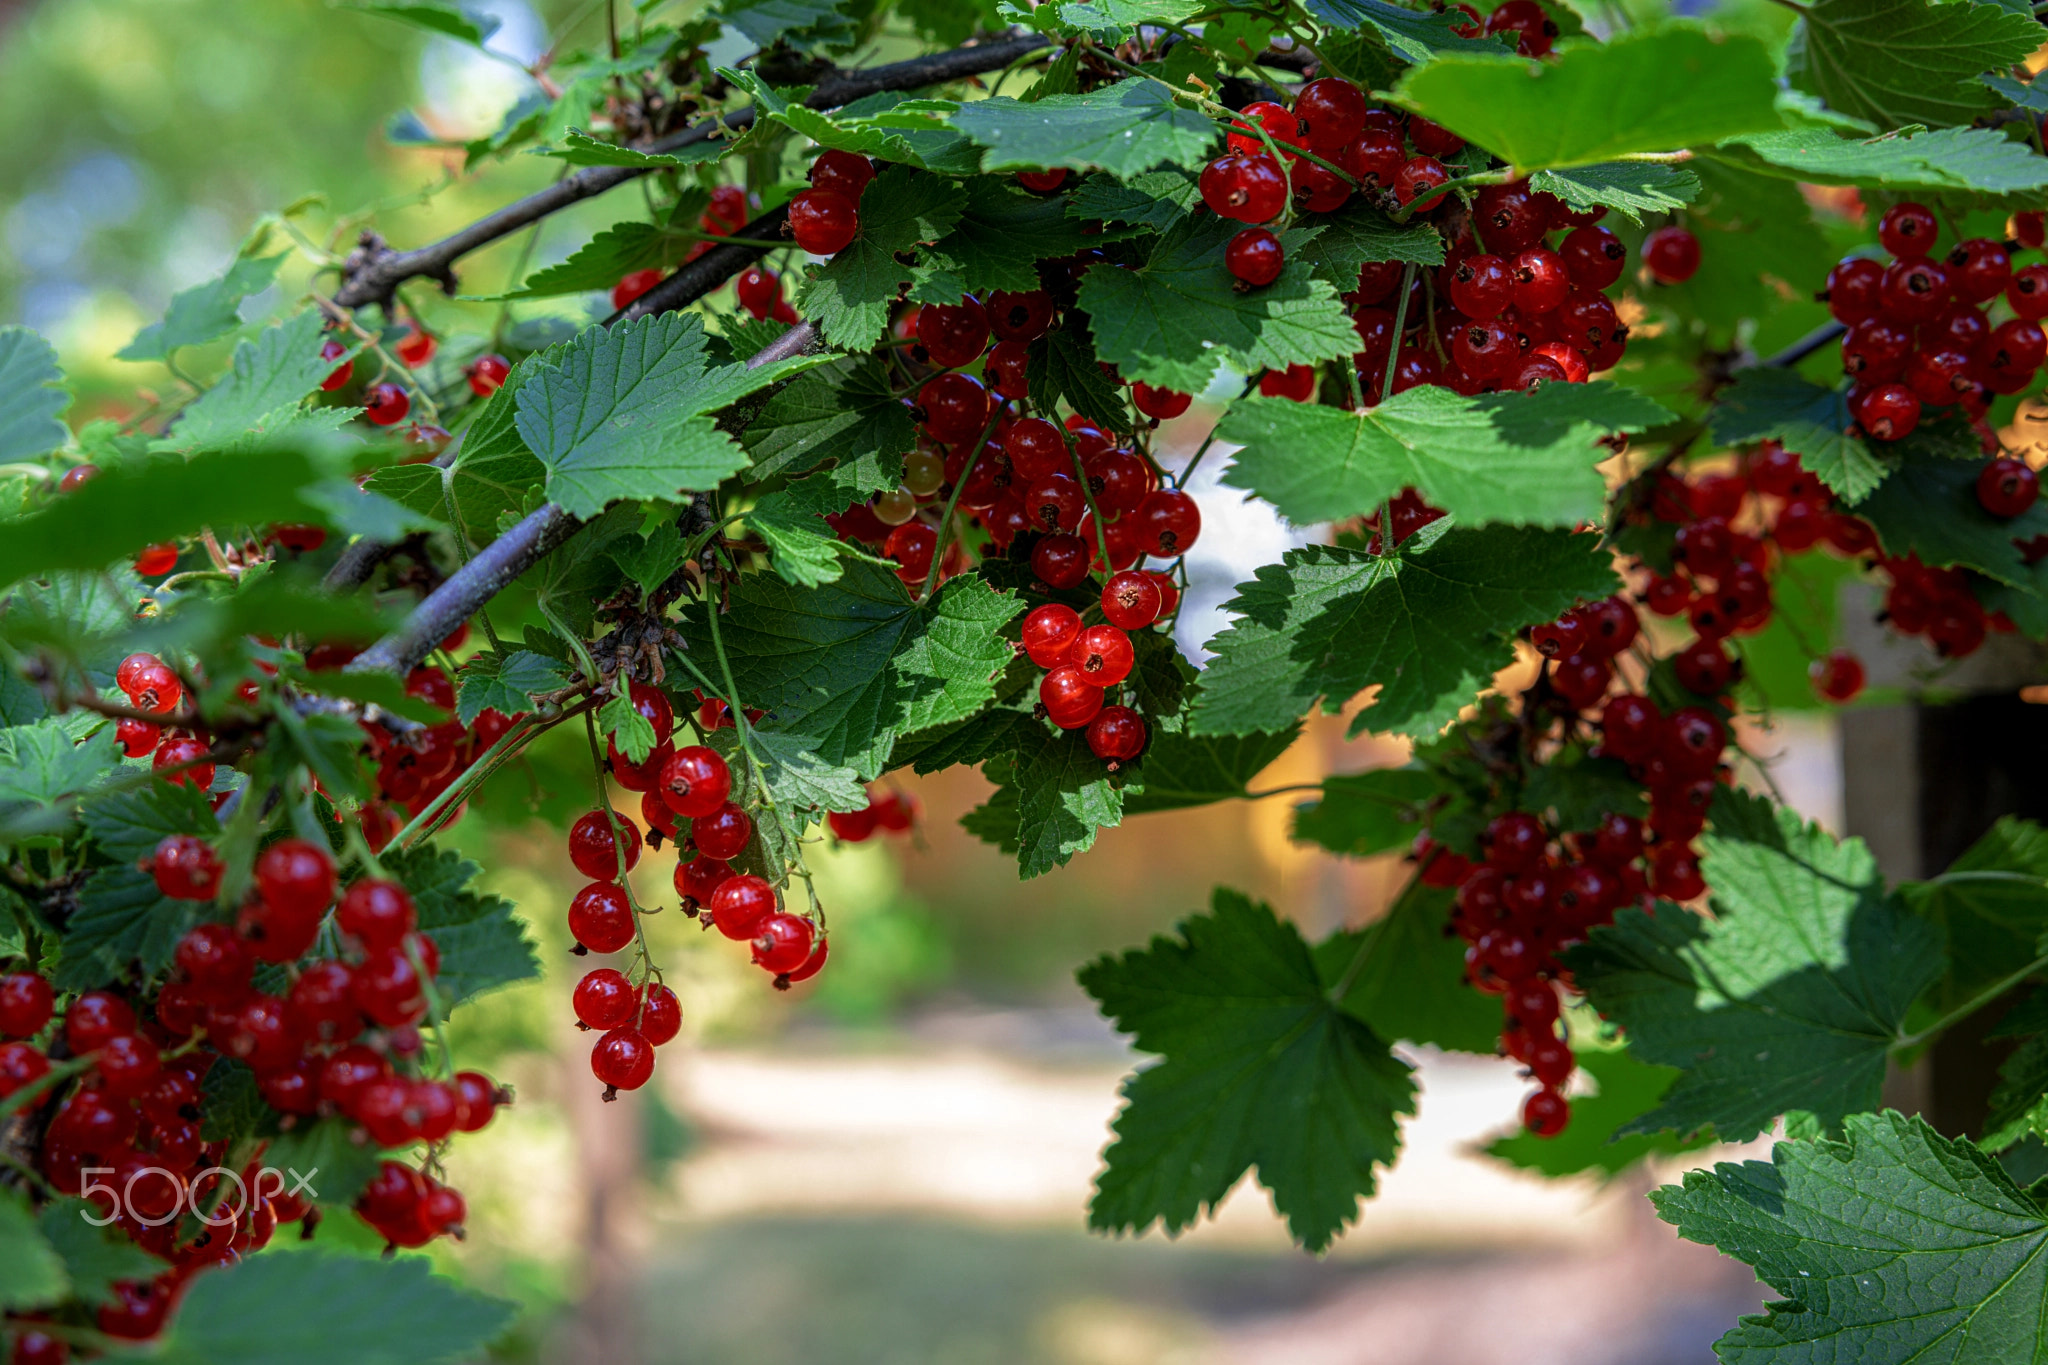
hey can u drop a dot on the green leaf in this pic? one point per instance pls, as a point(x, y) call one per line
point(855, 663)
point(1625, 1090)
point(965, 743)
point(128, 825)
point(1181, 770)
point(1126, 129)
point(800, 23)
point(1578, 789)
point(622, 413)
point(804, 786)
point(324, 1308)
point(1175, 319)
point(494, 475)
point(1153, 199)
point(94, 1258)
point(1064, 795)
point(1769, 403)
point(600, 263)
point(1897, 62)
point(581, 149)
point(1630, 188)
point(891, 125)
point(2020, 94)
point(1991, 906)
point(1360, 814)
point(260, 395)
point(1787, 1001)
point(1651, 90)
point(802, 548)
point(31, 1273)
point(205, 312)
point(508, 683)
point(482, 941)
point(841, 411)
point(122, 509)
point(631, 733)
point(850, 297)
point(31, 396)
point(1430, 625)
point(2019, 1103)
point(465, 25)
point(121, 919)
point(649, 560)
point(1407, 976)
point(1759, 245)
point(334, 1166)
point(47, 765)
point(997, 243)
point(231, 1106)
point(1258, 1069)
point(1946, 160)
point(1062, 366)
point(1419, 37)
point(1525, 459)
point(1929, 507)
point(1896, 1244)
point(1358, 233)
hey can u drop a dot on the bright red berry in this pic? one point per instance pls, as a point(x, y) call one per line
point(186, 868)
point(296, 876)
point(486, 374)
point(758, 290)
point(1069, 698)
point(823, 222)
point(953, 334)
point(604, 998)
point(595, 851)
point(386, 404)
point(1671, 255)
point(1043, 182)
point(1296, 383)
point(1888, 412)
point(1168, 524)
point(1020, 317)
point(695, 781)
point(1061, 560)
point(2007, 487)
point(332, 349)
point(376, 913)
point(724, 833)
point(416, 347)
point(783, 943)
point(1417, 178)
point(1117, 734)
point(1159, 403)
point(95, 1017)
point(1254, 256)
point(154, 561)
point(1249, 188)
point(1331, 112)
point(1103, 654)
point(697, 880)
point(844, 173)
point(1130, 600)
point(956, 406)
point(623, 1059)
point(740, 905)
point(1908, 230)
point(1049, 633)
point(600, 918)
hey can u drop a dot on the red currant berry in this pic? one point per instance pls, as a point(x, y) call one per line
point(843, 173)
point(1541, 283)
point(2006, 487)
point(1130, 600)
point(416, 347)
point(783, 943)
point(1545, 1113)
point(332, 349)
point(605, 999)
point(486, 374)
point(1103, 654)
point(1417, 178)
point(1888, 412)
point(26, 1004)
point(1374, 158)
point(1671, 255)
point(20, 1065)
point(1331, 112)
point(1837, 677)
point(600, 918)
point(631, 287)
point(186, 868)
point(1296, 382)
point(1908, 231)
point(479, 1100)
point(1020, 317)
point(1513, 217)
point(623, 1059)
point(1560, 638)
point(955, 407)
point(183, 756)
point(1117, 734)
point(1049, 633)
point(376, 913)
point(296, 876)
point(1168, 524)
point(1481, 286)
point(386, 404)
point(95, 1017)
point(695, 781)
point(1433, 139)
point(1513, 841)
point(727, 212)
point(823, 222)
point(699, 879)
point(1069, 698)
point(953, 334)
point(1855, 289)
point(661, 1014)
point(1914, 291)
point(1593, 257)
point(724, 833)
point(758, 290)
point(1279, 124)
point(1486, 350)
point(154, 561)
point(1249, 188)
point(912, 546)
point(1254, 256)
point(128, 1065)
point(1061, 561)
point(1043, 182)
point(1159, 403)
point(852, 827)
point(595, 851)
point(740, 906)
point(1979, 269)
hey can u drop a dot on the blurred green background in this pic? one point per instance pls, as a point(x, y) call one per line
point(892, 1165)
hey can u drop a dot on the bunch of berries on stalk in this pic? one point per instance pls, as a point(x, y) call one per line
point(416, 766)
point(1921, 331)
point(1519, 299)
point(685, 798)
point(1084, 661)
point(725, 215)
point(340, 1036)
point(890, 810)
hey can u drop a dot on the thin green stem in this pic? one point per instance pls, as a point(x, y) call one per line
point(1187, 470)
point(604, 803)
point(488, 762)
point(1400, 327)
point(1282, 791)
point(1094, 512)
point(931, 574)
point(1973, 1004)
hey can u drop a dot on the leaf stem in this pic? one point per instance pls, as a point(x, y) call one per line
point(931, 574)
point(604, 803)
point(1187, 470)
point(1282, 791)
point(1972, 1005)
point(1400, 327)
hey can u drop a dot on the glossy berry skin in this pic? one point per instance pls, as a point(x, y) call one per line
point(1276, 120)
point(623, 1059)
point(1255, 257)
point(1914, 291)
point(843, 173)
point(758, 290)
point(486, 374)
point(1103, 654)
point(724, 833)
point(783, 943)
point(1838, 678)
point(1130, 600)
point(1117, 734)
point(1331, 112)
point(1069, 698)
point(1671, 255)
point(95, 1017)
point(1160, 404)
point(852, 827)
point(953, 334)
point(1908, 230)
point(1481, 286)
point(1414, 181)
point(1375, 157)
point(955, 406)
point(1546, 1113)
point(604, 999)
point(186, 868)
point(479, 1100)
point(386, 404)
point(332, 349)
point(1061, 560)
point(1888, 412)
point(740, 906)
point(594, 850)
point(695, 781)
point(823, 222)
point(698, 880)
point(376, 913)
point(912, 546)
point(1514, 841)
point(2028, 292)
point(600, 918)
point(631, 287)
point(1049, 633)
point(1433, 139)
point(1249, 188)
point(1021, 317)
point(1535, 32)
point(1593, 257)
point(2006, 487)
point(296, 876)
point(1979, 269)
point(1168, 524)
point(1296, 383)
point(26, 1004)
point(1541, 282)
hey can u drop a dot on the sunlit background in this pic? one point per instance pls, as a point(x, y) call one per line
point(892, 1167)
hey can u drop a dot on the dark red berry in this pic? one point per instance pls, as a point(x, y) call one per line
point(26, 1004)
point(486, 374)
point(1671, 255)
point(1908, 230)
point(1069, 698)
point(2007, 487)
point(386, 404)
point(1254, 256)
point(623, 1059)
point(1061, 560)
point(1535, 32)
point(843, 173)
point(823, 222)
point(1248, 187)
point(1545, 1113)
point(953, 334)
point(186, 868)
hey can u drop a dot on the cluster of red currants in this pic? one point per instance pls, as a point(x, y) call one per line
point(891, 810)
point(825, 218)
point(1920, 330)
point(415, 767)
point(332, 1042)
point(725, 215)
point(175, 751)
point(1085, 661)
